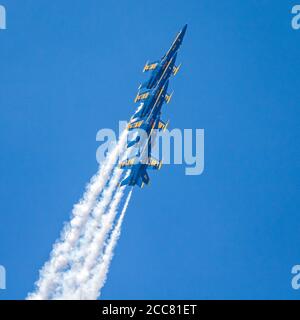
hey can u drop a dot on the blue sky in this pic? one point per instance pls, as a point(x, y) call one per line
point(70, 68)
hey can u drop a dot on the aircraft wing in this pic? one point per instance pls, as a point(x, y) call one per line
point(154, 164)
point(134, 124)
point(142, 96)
point(127, 164)
point(150, 66)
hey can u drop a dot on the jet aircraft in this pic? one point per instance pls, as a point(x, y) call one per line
point(151, 96)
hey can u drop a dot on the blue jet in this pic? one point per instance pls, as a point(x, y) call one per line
point(138, 165)
point(159, 68)
point(152, 95)
point(143, 160)
point(148, 96)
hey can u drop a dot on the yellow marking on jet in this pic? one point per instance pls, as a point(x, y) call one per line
point(168, 97)
point(141, 96)
point(151, 66)
point(176, 69)
point(134, 125)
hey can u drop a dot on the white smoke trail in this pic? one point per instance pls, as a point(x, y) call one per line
point(96, 215)
point(89, 245)
point(60, 255)
point(92, 289)
point(80, 272)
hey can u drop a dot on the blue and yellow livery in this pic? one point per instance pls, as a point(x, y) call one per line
point(151, 97)
point(159, 69)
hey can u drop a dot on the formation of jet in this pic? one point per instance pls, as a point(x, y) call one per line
point(151, 96)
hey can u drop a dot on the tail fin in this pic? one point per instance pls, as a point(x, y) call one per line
point(140, 182)
point(145, 177)
point(125, 182)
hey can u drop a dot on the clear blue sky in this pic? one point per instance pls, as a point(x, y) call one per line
point(70, 68)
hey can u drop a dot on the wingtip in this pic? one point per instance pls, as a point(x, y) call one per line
point(160, 165)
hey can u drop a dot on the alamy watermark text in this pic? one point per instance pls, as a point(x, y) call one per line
point(2, 278)
point(296, 277)
point(174, 147)
point(2, 17)
point(296, 17)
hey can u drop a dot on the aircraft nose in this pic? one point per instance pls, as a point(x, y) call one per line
point(183, 30)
